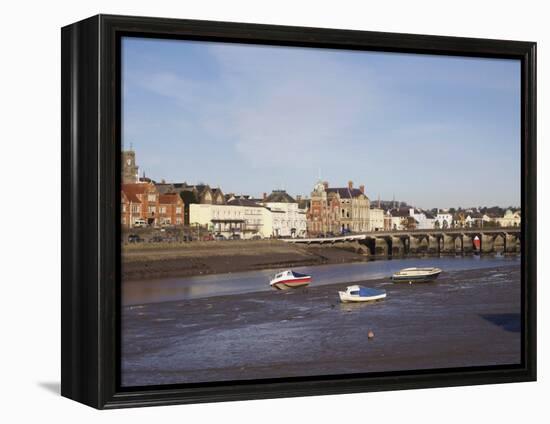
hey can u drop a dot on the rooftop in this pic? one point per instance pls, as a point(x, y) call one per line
point(279, 196)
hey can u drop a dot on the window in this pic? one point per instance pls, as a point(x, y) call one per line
point(178, 210)
point(152, 198)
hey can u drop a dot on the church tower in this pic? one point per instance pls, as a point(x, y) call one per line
point(129, 168)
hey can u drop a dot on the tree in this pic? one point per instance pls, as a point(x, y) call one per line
point(436, 225)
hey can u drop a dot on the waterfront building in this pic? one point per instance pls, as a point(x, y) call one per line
point(191, 194)
point(144, 210)
point(443, 220)
point(425, 220)
point(377, 218)
point(170, 209)
point(142, 205)
point(354, 214)
point(124, 210)
point(288, 219)
point(388, 221)
point(399, 219)
point(510, 219)
point(323, 212)
point(240, 218)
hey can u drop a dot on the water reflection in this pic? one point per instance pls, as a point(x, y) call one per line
point(170, 289)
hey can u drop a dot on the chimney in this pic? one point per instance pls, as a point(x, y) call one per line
point(265, 195)
point(350, 184)
point(362, 189)
point(325, 183)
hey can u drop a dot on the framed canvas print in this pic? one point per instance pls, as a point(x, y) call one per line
point(254, 211)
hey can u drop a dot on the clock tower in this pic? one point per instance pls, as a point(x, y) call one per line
point(129, 168)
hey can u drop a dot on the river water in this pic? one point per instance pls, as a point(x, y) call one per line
point(175, 289)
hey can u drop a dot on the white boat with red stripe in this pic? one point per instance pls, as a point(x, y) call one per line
point(290, 280)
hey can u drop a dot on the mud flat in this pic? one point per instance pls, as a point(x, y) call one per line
point(149, 261)
point(465, 318)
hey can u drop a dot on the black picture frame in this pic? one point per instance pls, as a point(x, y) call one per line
point(90, 138)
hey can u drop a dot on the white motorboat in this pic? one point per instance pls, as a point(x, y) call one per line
point(290, 280)
point(361, 294)
point(416, 275)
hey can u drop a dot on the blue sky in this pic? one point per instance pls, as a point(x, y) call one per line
point(435, 131)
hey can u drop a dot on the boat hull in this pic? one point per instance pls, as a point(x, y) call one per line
point(291, 284)
point(345, 298)
point(415, 278)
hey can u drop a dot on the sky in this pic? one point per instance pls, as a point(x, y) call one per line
point(434, 131)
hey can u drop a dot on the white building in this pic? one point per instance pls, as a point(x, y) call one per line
point(376, 219)
point(510, 219)
point(239, 217)
point(425, 221)
point(444, 220)
point(288, 220)
point(396, 219)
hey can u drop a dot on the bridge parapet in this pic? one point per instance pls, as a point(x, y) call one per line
point(411, 233)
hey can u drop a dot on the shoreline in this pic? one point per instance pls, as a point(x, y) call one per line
point(152, 262)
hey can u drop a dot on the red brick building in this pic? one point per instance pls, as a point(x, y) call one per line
point(324, 211)
point(171, 209)
point(142, 205)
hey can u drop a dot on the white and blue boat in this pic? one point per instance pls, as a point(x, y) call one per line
point(357, 293)
point(416, 275)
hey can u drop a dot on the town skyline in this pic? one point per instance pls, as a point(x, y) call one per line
point(433, 136)
point(398, 203)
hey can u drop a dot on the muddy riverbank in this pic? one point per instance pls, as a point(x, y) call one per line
point(201, 258)
point(466, 318)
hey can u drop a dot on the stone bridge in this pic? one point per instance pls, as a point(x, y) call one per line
point(448, 241)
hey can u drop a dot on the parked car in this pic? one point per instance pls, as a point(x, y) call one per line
point(208, 237)
point(156, 239)
point(219, 237)
point(134, 238)
point(235, 236)
point(256, 237)
point(140, 223)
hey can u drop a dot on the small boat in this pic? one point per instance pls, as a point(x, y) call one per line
point(416, 275)
point(290, 280)
point(361, 294)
